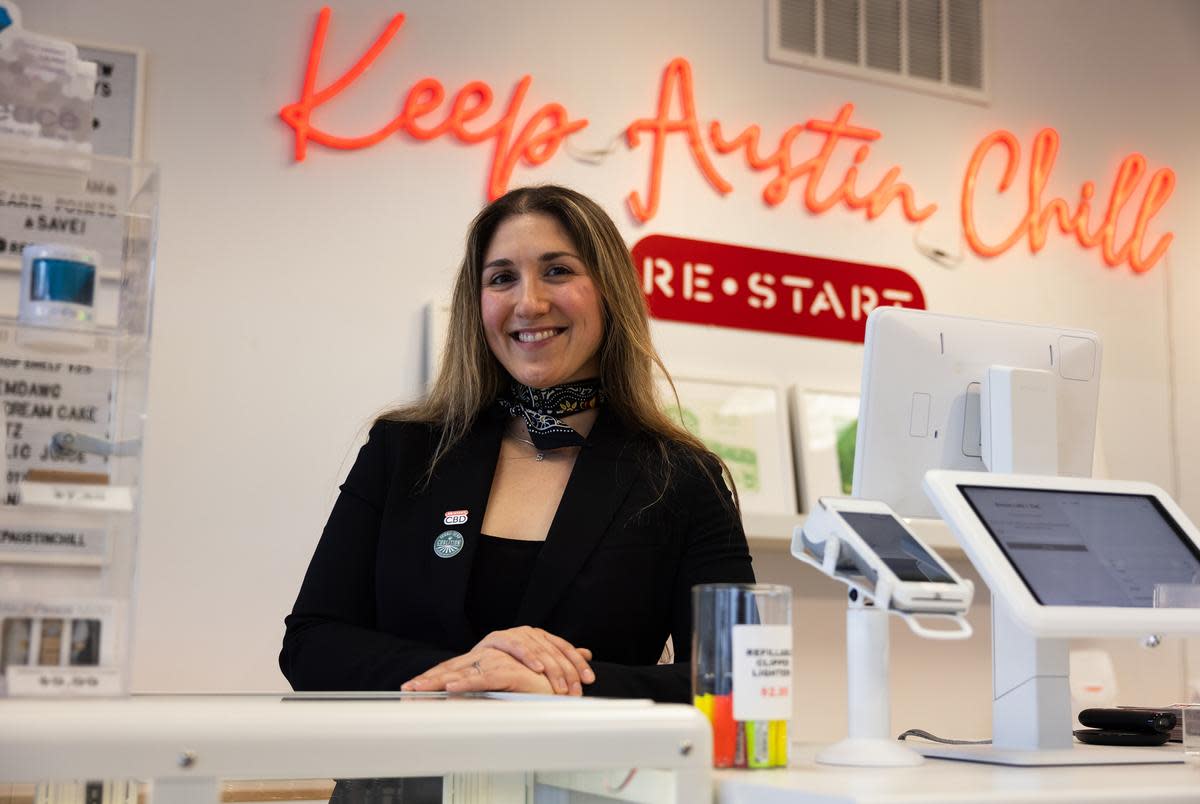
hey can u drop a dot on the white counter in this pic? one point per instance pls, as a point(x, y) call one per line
point(496, 751)
point(948, 782)
point(187, 744)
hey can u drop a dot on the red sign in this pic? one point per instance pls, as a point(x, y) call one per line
point(768, 291)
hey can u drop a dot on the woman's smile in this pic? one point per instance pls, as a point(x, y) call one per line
point(537, 335)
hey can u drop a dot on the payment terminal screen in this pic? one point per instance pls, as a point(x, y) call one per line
point(1076, 548)
point(896, 547)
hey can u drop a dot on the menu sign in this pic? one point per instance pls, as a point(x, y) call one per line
point(44, 397)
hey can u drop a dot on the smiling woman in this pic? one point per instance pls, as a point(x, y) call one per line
point(536, 522)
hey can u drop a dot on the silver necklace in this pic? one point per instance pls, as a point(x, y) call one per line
point(541, 453)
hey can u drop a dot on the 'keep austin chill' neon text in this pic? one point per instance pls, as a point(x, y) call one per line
point(539, 137)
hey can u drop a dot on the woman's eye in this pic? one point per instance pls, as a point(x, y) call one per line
point(558, 270)
point(500, 278)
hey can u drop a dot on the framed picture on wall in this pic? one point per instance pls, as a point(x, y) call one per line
point(747, 426)
point(826, 425)
point(68, 645)
point(120, 98)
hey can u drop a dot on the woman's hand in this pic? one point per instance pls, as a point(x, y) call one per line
point(564, 665)
point(480, 670)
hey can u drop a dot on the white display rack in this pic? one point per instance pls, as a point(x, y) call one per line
point(74, 403)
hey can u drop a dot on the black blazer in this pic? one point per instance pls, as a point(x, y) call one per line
point(378, 606)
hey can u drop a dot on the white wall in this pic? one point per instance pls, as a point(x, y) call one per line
point(289, 295)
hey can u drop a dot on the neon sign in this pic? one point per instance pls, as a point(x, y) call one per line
point(1036, 221)
point(677, 80)
point(535, 143)
point(536, 138)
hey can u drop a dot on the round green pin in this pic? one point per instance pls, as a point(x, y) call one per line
point(448, 544)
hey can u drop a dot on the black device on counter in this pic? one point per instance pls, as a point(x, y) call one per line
point(1107, 737)
point(1139, 721)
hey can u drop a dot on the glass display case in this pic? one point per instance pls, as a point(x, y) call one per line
point(74, 355)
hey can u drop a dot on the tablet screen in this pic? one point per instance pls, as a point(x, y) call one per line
point(1078, 548)
point(896, 547)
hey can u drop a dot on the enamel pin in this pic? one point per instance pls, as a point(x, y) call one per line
point(448, 544)
point(455, 517)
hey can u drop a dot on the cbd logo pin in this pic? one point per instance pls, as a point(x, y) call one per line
point(448, 544)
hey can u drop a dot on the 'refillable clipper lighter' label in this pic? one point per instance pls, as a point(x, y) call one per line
point(762, 672)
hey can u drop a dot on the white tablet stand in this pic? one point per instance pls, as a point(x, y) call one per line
point(1031, 695)
point(1031, 690)
point(869, 742)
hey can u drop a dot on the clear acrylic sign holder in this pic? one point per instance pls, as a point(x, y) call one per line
point(74, 402)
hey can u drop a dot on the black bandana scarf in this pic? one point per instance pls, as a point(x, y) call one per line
point(543, 409)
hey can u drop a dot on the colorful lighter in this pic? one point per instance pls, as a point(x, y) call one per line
point(779, 743)
point(724, 731)
point(705, 704)
point(758, 743)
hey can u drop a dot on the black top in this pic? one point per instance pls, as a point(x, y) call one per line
point(500, 572)
point(379, 606)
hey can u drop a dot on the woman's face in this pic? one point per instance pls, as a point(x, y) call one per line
point(541, 310)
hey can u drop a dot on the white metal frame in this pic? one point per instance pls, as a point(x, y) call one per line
point(777, 467)
point(816, 442)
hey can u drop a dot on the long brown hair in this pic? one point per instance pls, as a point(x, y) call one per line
point(471, 377)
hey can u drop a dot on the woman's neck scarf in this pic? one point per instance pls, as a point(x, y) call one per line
point(544, 409)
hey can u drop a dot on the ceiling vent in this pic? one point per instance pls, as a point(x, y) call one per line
point(934, 46)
